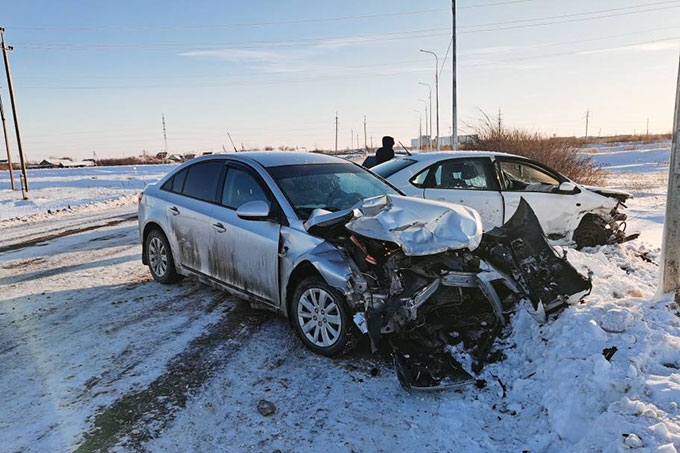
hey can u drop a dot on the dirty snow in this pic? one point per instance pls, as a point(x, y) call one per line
point(96, 355)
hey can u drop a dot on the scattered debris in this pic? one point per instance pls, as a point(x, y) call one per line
point(266, 408)
point(608, 353)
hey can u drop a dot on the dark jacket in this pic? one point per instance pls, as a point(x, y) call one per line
point(383, 155)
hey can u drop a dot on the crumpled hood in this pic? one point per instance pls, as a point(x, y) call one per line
point(420, 227)
point(611, 193)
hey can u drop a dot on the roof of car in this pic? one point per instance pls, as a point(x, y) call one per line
point(437, 155)
point(278, 158)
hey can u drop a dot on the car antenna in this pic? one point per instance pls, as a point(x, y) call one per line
point(407, 151)
point(232, 142)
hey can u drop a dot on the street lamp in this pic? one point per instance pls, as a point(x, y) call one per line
point(423, 100)
point(430, 88)
point(436, 84)
point(420, 129)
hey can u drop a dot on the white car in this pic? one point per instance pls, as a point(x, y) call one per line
point(493, 183)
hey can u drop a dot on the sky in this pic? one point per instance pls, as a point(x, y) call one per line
point(95, 79)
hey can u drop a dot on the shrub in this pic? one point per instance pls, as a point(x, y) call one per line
point(557, 153)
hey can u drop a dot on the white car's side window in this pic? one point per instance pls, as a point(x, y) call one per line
point(455, 174)
point(519, 176)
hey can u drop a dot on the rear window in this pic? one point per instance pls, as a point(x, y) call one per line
point(387, 169)
point(202, 180)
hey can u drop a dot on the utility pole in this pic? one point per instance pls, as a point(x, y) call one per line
point(436, 84)
point(24, 177)
point(454, 106)
point(647, 127)
point(9, 155)
point(165, 135)
point(670, 270)
point(336, 132)
point(351, 138)
point(365, 142)
point(500, 121)
point(587, 118)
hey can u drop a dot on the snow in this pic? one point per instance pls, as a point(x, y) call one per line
point(54, 190)
point(96, 354)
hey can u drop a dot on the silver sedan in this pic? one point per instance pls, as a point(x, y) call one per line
point(236, 222)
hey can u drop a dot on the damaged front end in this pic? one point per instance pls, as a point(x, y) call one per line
point(611, 222)
point(439, 291)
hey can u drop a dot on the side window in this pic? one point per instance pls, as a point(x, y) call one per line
point(176, 183)
point(521, 176)
point(471, 174)
point(202, 180)
point(241, 187)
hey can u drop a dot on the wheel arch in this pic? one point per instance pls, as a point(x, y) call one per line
point(301, 272)
point(148, 228)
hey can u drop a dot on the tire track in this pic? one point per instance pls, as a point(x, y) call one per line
point(140, 416)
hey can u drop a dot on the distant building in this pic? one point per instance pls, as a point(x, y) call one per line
point(65, 163)
point(443, 141)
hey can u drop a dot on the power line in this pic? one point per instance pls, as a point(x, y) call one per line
point(387, 36)
point(587, 13)
point(260, 24)
point(322, 76)
point(382, 64)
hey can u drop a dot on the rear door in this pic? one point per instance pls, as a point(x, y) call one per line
point(540, 188)
point(244, 253)
point(189, 211)
point(467, 181)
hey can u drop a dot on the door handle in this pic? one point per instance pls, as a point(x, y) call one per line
point(174, 210)
point(219, 227)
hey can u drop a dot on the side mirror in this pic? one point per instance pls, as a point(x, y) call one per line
point(254, 210)
point(567, 187)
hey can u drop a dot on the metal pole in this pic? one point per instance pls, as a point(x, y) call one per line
point(24, 178)
point(436, 85)
point(429, 138)
point(9, 155)
point(365, 141)
point(430, 98)
point(336, 132)
point(165, 135)
point(420, 129)
point(454, 115)
point(670, 271)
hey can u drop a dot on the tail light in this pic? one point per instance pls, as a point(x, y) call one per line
point(140, 195)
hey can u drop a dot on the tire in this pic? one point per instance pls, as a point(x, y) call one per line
point(590, 234)
point(159, 257)
point(321, 318)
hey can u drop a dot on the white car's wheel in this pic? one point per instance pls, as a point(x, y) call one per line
point(321, 318)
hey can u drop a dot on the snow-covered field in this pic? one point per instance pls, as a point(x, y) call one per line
point(96, 355)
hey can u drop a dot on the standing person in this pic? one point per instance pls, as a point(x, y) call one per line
point(386, 152)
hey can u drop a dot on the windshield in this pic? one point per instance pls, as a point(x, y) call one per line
point(387, 169)
point(333, 187)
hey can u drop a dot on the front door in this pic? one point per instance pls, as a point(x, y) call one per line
point(540, 189)
point(245, 252)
